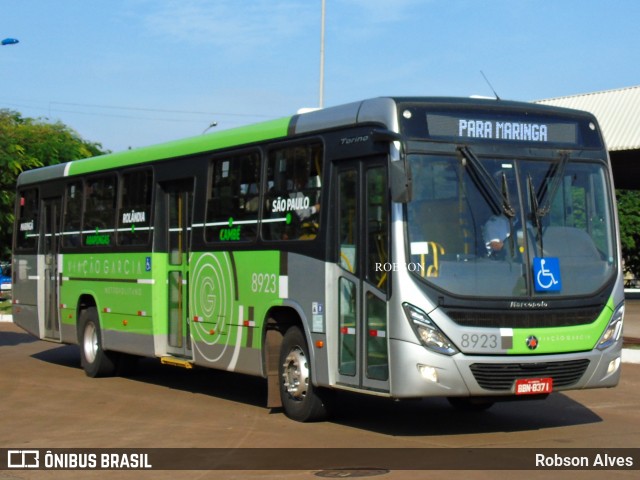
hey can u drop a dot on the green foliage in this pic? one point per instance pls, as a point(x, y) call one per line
point(27, 143)
point(629, 215)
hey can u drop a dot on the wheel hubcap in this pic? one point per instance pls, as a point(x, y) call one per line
point(296, 373)
point(90, 343)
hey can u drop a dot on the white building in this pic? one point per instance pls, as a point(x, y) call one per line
point(618, 112)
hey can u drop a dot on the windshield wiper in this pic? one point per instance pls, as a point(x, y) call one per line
point(550, 184)
point(541, 202)
point(498, 198)
point(509, 212)
point(536, 213)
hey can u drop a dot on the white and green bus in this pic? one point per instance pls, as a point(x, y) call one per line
point(398, 247)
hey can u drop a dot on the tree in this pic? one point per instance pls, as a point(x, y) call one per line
point(629, 216)
point(27, 143)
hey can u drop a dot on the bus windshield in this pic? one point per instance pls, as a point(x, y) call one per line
point(510, 227)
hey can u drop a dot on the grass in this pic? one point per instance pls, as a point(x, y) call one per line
point(5, 306)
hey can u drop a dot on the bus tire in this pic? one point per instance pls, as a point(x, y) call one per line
point(300, 399)
point(94, 360)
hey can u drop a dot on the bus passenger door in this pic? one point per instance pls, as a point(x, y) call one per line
point(49, 285)
point(363, 247)
point(178, 210)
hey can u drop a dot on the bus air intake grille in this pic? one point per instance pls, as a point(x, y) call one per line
point(495, 376)
point(525, 318)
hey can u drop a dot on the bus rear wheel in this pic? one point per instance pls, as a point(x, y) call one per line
point(300, 399)
point(95, 361)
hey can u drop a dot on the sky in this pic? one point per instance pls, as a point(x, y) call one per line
point(131, 73)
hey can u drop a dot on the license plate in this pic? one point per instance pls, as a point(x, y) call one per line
point(534, 386)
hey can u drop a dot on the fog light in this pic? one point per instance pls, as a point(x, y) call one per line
point(613, 366)
point(428, 373)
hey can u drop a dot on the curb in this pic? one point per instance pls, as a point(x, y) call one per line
point(630, 355)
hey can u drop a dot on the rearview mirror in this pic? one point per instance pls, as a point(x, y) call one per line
point(401, 181)
point(400, 171)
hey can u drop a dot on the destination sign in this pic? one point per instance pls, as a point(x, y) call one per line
point(531, 132)
point(477, 126)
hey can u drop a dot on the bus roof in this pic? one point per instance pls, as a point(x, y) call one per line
point(184, 147)
point(381, 111)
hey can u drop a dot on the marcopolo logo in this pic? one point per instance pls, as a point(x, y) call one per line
point(532, 342)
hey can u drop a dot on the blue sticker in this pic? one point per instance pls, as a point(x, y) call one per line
point(148, 264)
point(546, 274)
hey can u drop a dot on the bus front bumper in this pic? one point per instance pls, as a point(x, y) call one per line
point(417, 372)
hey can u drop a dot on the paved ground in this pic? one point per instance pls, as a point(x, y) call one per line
point(46, 401)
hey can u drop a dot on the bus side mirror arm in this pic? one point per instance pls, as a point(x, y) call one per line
point(400, 170)
point(384, 135)
point(401, 181)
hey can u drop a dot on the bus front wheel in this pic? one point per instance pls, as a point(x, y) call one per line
point(300, 400)
point(95, 361)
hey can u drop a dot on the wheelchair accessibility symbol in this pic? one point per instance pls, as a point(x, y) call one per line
point(546, 272)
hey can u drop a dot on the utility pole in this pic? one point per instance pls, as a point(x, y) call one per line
point(321, 102)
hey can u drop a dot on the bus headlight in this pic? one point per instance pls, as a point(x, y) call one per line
point(428, 332)
point(613, 331)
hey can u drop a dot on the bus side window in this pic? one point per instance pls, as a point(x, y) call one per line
point(234, 198)
point(100, 208)
point(377, 243)
point(348, 220)
point(27, 236)
point(292, 204)
point(134, 215)
point(72, 215)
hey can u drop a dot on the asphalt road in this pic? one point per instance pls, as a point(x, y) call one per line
point(46, 401)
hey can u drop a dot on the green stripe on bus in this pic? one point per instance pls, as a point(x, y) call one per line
point(580, 338)
point(228, 138)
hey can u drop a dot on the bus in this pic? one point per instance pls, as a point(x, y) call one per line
point(398, 247)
